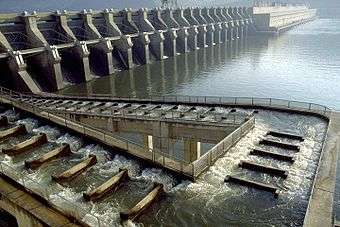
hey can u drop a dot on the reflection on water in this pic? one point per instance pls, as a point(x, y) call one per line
point(302, 64)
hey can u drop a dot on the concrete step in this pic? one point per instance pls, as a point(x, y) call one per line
point(285, 135)
point(76, 170)
point(150, 198)
point(29, 144)
point(110, 185)
point(15, 131)
point(277, 156)
point(253, 184)
point(265, 169)
point(274, 143)
point(61, 151)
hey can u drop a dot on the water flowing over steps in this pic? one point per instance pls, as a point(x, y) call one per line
point(64, 151)
point(274, 155)
point(268, 154)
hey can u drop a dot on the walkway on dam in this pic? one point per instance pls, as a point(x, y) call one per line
point(320, 208)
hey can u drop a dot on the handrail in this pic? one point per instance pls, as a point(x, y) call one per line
point(232, 101)
point(153, 150)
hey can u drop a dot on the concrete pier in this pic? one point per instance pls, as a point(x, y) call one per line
point(285, 135)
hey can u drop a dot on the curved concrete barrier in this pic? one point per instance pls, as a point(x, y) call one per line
point(110, 185)
point(29, 144)
point(15, 131)
point(76, 170)
point(137, 210)
point(3, 121)
point(61, 151)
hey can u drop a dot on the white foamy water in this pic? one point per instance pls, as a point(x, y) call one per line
point(207, 201)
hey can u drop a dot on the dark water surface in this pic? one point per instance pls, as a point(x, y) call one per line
point(302, 64)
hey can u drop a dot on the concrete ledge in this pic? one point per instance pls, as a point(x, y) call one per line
point(264, 169)
point(61, 151)
point(285, 135)
point(29, 144)
point(76, 170)
point(11, 132)
point(253, 184)
point(110, 185)
point(277, 156)
point(320, 207)
point(280, 144)
point(150, 198)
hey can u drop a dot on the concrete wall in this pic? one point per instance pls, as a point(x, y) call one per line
point(275, 19)
point(60, 48)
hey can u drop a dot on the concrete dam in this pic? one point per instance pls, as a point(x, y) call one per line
point(102, 160)
point(47, 51)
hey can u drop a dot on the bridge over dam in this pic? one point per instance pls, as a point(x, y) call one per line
point(183, 135)
point(48, 51)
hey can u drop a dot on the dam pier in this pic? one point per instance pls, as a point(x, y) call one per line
point(48, 51)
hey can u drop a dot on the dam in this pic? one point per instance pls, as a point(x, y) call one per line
point(36, 49)
point(99, 160)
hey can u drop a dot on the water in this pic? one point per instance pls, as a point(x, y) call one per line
point(302, 64)
point(208, 201)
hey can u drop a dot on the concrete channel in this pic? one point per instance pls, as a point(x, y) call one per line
point(323, 169)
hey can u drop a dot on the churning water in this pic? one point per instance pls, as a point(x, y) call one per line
point(207, 202)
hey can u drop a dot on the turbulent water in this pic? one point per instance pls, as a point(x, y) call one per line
point(207, 202)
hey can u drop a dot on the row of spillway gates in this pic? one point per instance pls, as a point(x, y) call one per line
point(48, 51)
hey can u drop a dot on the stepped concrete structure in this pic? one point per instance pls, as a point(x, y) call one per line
point(76, 114)
point(48, 51)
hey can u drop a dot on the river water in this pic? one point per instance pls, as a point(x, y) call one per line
point(302, 64)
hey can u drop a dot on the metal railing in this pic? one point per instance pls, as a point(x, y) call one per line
point(167, 115)
point(274, 103)
point(107, 138)
point(209, 158)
